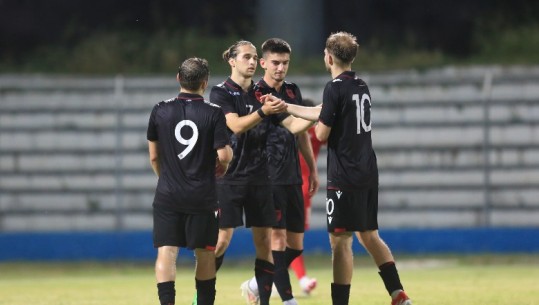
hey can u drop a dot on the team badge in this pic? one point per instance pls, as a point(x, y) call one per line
point(290, 93)
point(258, 95)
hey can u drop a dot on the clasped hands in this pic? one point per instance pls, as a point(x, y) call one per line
point(272, 104)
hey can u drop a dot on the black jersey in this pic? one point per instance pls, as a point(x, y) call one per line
point(346, 109)
point(249, 164)
point(283, 158)
point(188, 130)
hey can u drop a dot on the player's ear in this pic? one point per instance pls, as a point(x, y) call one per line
point(204, 85)
point(262, 62)
point(330, 59)
point(178, 77)
point(232, 62)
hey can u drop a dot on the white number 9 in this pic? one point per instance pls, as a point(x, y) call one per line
point(189, 142)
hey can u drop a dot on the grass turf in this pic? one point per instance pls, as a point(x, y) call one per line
point(441, 280)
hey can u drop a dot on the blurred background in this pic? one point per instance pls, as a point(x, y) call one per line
point(455, 88)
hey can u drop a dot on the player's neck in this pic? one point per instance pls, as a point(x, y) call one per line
point(243, 81)
point(199, 92)
point(273, 83)
point(336, 70)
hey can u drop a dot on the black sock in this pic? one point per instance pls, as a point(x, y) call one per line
point(264, 277)
point(390, 276)
point(166, 293)
point(205, 292)
point(281, 278)
point(291, 255)
point(340, 294)
point(219, 262)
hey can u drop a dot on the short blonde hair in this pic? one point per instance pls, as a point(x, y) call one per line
point(343, 46)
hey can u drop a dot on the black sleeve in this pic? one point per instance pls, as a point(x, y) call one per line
point(329, 104)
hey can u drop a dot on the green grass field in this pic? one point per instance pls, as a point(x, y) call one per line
point(440, 280)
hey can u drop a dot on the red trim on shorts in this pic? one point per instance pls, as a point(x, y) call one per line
point(339, 230)
point(211, 248)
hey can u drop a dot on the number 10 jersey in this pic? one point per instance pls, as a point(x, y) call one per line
point(346, 109)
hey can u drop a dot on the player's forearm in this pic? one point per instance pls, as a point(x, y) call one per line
point(306, 150)
point(300, 125)
point(155, 166)
point(153, 152)
point(322, 132)
point(307, 113)
point(239, 125)
point(225, 155)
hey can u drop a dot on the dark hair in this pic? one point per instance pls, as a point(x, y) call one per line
point(276, 45)
point(193, 72)
point(343, 46)
point(232, 51)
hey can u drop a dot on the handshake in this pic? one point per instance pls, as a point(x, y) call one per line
point(271, 105)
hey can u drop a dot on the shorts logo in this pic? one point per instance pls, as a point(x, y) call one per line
point(279, 215)
point(216, 213)
point(330, 207)
point(338, 193)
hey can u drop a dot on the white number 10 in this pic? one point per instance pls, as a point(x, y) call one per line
point(360, 112)
point(189, 142)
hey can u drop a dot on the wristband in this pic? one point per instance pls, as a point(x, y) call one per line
point(261, 113)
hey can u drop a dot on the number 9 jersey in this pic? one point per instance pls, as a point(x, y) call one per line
point(189, 130)
point(346, 109)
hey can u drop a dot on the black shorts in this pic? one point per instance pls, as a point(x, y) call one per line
point(255, 200)
point(351, 211)
point(288, 201)
point(172, 228)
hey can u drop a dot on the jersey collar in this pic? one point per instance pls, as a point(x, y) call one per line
point(232, 86)
point(347, 74)
point(263, 85)
point(190, 96)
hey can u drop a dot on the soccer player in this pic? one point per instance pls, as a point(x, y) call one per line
point(307, 283)
point(284, 170)
point(352, 178)
point(187, 141)
point(246, 187)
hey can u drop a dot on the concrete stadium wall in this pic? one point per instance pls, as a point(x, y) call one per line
point(73, 152)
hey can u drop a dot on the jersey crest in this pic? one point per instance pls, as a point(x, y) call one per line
point(290, 93)
point(258, 95)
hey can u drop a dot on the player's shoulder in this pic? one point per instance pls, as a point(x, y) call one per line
point(360, 81)
point(211, 105)
point(290, 85)
point(219, 93)
point(291, 90)
point(165, 102)
point(226, 87)
point(218, 88)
